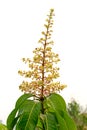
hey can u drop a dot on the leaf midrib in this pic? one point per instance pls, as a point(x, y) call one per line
point(30, 115)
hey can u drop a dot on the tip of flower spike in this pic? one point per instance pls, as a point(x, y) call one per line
point(52, 10)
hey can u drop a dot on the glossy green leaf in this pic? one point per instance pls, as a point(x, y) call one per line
point(40, 123)
point(50, 122)
point(69, 122)
point(33, 117)
point(55, 102)
point(22, 99)
point(13, 117)
point(28, 120)
point(11, 120)
point(61, 122)
point(25, 107)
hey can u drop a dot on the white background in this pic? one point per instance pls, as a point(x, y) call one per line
point(21, 23)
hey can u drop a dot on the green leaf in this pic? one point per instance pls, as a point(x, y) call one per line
point(13, 117)
point(11, 120)
point(55, 102)
point(61, 122)
point(51, 122)
point(25, 107)
point(40, 122)
point(69, 122)
point(22, 121)
point(29, 119)
point(22, 99)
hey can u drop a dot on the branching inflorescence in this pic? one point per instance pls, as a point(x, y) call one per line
point(43, 68)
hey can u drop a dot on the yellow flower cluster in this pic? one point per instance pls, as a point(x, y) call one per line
point(42, 68)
